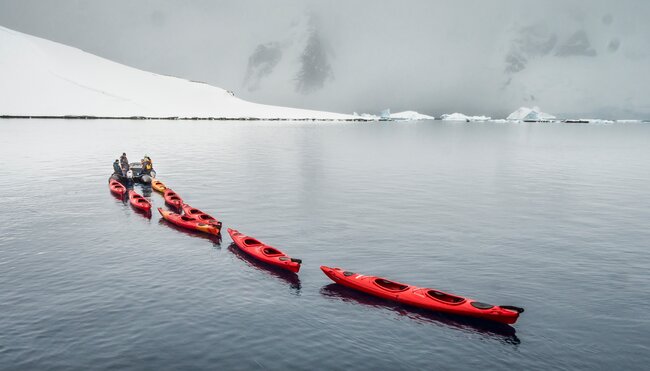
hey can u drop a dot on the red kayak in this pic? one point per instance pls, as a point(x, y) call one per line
point(172, 199)
point(138, 201)
point(423, 297)
point(264, 253)
point(187, 222)
point(200, 215)
point(117, 187)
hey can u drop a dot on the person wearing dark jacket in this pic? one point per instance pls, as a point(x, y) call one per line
point(117, 169)
point(124, 164)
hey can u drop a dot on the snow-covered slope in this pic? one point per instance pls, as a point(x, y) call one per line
point(43, 78)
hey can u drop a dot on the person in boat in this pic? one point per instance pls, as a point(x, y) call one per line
point(124, 164)
point(147, 165)
point(117, 169)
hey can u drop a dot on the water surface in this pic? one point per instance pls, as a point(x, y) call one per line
point(550, 217)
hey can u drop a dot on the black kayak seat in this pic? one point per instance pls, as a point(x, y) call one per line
point(443, 296)
point(479, 305)
point(271, 251)
point(251, 241)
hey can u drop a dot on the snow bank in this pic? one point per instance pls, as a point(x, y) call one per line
point(410, 115)
point(461, 117)
point(44, 78)
point(530, 114)
point(366, 116)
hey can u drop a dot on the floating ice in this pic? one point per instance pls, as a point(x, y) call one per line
point(461, 117)
point(530, 114)
point(410, 115)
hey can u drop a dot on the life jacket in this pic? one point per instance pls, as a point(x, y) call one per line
point(148, 165)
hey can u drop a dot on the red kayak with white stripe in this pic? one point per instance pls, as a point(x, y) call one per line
point(422, 297)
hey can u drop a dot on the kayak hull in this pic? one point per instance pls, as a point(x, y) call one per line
point(421, 297)
point(187, 222)
point(172, 199)
point(263, 252)
point(117, 187)
point(139, 202)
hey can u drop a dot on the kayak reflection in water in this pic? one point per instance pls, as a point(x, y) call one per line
point(502, 332)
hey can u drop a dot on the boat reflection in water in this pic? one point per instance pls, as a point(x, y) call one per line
point(502, 332)
point(215, 239)
point(289, 277)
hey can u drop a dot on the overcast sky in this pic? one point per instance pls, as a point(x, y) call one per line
point(587, 58)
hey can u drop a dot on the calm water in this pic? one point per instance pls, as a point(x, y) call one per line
point(550, 217)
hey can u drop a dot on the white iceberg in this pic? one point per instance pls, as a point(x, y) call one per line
point(530, 114)
point(461, 117)
point(44, 78)
point(410, 115)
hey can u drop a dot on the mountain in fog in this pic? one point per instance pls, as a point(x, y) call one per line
point(573, 58)
point(44, 78)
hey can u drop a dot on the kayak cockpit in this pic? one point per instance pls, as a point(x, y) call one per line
point(444, 297)
point(187, 218)
point(390, 285)
point(269, 251)
point(251, 242)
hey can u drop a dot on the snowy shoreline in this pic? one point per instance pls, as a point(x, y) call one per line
point(176, 118)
